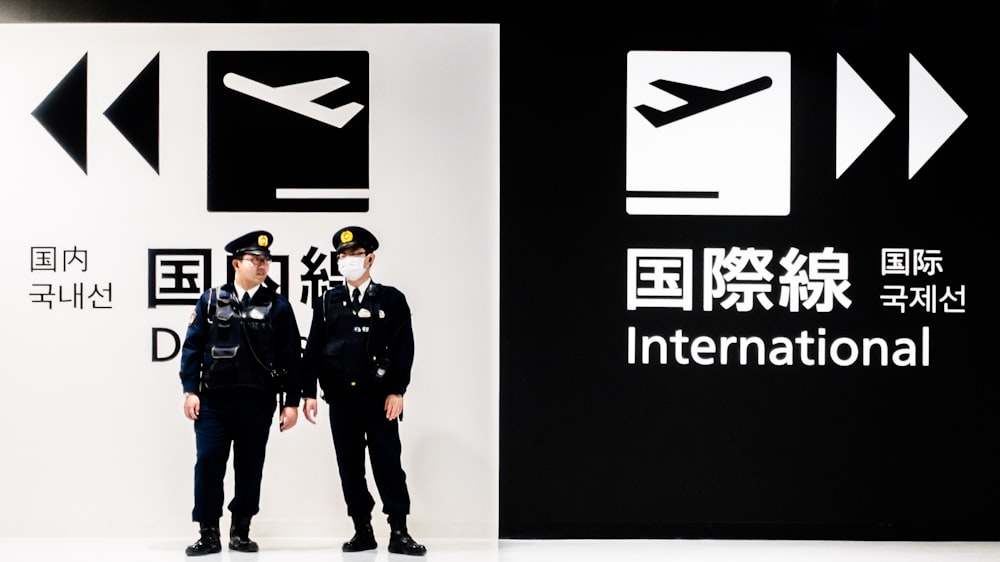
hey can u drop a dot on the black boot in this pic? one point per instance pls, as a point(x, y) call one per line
point(400, 541)
point(209, 543)
point(239, 534)
point(364, 536)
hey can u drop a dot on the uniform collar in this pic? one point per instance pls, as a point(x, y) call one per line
point(362, 287)
point(240, 291)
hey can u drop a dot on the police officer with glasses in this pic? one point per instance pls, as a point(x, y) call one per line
point(240, 361)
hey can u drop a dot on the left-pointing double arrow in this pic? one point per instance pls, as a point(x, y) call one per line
point(135, 113)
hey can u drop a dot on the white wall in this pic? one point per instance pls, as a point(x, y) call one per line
point(94, 441)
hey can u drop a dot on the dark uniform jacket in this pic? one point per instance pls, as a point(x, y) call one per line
point(228, 349)
point(369, 348)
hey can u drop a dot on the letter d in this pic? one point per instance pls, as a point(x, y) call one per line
point(177, 344)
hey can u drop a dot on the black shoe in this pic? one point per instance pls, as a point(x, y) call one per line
point(400, 542)
point(209, 543)
point(239, 535)
point(242, 544)
point(363, 539)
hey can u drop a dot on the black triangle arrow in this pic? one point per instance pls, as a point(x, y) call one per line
point(63, 113)
point(136, 113)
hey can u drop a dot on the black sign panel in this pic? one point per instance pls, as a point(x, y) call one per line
point(742, 292)
point(288, 131)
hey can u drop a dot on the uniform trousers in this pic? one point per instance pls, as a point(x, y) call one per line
point(237, 420)
point(357, 419)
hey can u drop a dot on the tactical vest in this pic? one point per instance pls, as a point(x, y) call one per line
point(240, 348)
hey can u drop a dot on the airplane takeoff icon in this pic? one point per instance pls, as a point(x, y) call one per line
point(299, 98)
point(698, 99)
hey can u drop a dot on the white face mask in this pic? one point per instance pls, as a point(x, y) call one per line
point(351, 267)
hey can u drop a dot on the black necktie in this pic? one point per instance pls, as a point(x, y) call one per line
point(245, 303)
point(356, 298)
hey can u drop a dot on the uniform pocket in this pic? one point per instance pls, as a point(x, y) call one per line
point(224, 352)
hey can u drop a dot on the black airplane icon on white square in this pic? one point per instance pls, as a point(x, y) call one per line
point(698, 99)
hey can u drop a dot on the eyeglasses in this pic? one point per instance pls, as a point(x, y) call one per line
point(359, 253)
point(258, 260)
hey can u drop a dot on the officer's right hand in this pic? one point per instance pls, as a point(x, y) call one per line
point(192, 406)
point(309, 408)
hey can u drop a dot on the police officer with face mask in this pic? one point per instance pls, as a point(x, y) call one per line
point(360, 350)
point(241, 350)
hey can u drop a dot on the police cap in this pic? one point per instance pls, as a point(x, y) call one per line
point(354, 237)
point(257, 242)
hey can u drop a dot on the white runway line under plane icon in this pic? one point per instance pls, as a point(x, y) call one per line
point(299, 98)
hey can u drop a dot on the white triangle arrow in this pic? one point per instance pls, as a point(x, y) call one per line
point(861, 115)
point(934, 116)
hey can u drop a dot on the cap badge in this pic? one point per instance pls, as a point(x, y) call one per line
point(262, 241)
point(346, 236)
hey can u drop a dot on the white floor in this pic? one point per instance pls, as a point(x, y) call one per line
point(445, 550)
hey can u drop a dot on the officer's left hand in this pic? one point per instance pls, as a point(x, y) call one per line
point(393, 406)
point(309, 409)
point(289, 415)
point(192, 406)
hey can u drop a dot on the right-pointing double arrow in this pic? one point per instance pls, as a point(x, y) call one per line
point(861, 116)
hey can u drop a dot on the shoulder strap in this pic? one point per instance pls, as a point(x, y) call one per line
point(213, 304)
point(330, 297)
point(214, 299)
point(375, 296)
